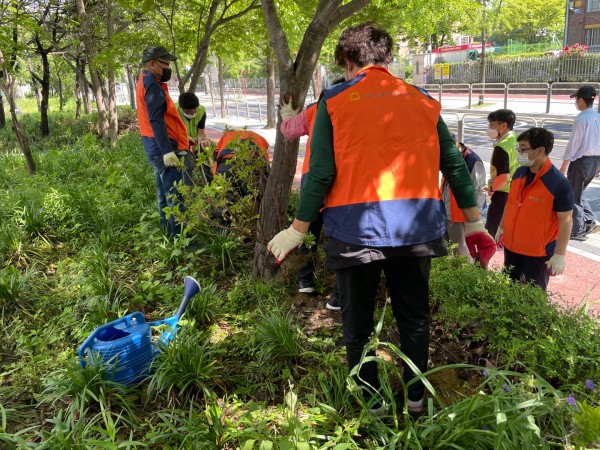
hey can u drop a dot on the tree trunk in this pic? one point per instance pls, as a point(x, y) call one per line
point(271, 116)
point(113, 114)
point(61, 98)
point(84, 86)
point(295, 78)
point(95, 77)
point(7, 87)
point(221, 86)
point(131, 87)
point(482, 73)
point(77, 96)
point(2, 115)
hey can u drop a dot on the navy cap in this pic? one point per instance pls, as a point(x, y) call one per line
point(586, 91)
point(157, 52)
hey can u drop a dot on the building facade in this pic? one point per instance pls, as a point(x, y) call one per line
point(582, 24)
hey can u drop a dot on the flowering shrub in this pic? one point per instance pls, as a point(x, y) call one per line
point(575, 49)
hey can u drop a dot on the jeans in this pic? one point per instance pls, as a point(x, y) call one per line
point(166, 179)
point(580, 173)
point(407, 279)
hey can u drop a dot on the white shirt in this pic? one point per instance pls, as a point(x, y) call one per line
point(585, 136)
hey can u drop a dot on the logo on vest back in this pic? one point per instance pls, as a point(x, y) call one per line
point(354, 96)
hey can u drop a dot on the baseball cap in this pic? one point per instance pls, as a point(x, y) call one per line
point(156, 52)
point(586, 91)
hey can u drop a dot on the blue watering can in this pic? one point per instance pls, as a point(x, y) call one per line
point(125, 345)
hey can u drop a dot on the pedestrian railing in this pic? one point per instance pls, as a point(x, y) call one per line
point(539, 119)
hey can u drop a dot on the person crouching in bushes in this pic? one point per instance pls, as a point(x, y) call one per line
point(536, 225)
point(241, 157)
point(193, 116)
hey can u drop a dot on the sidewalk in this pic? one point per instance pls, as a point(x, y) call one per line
point(580, 279)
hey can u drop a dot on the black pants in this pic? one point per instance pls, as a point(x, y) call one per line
point(407, 281)
point(307, 273)
point(525, 269)
point(580, 173)
point(495, 212)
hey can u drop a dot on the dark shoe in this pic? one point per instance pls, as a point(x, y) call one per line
point(306, 287)
point(579, 237)
point(333, 303)
point(591, 226)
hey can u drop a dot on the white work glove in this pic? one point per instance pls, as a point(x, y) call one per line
point(556, 264)
point(286, 110)
point(204, 143)
point(284, 242)
point(499, 238)
point(170, 159)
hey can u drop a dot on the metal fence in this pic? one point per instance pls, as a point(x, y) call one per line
point(545, 94)
point(544, 69)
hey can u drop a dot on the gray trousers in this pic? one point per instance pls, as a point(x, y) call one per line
point(580, 173)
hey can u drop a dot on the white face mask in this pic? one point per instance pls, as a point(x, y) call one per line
point(189, 116)
point(523, 159)
point(492, 134)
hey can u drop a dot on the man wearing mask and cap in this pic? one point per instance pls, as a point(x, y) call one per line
point(503, 164)
point(164, 134)
point(536, 224)
point(582, 160)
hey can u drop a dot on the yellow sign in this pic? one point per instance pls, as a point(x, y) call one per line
point(445, 71)
point(437, 70)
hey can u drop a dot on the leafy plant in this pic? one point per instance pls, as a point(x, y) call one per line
point(186, 369)
point(277, 337)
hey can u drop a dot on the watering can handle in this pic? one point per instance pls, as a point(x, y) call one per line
point(139, 316)
point(190, 288)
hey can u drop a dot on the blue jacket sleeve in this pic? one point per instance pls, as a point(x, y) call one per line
point(156, 105)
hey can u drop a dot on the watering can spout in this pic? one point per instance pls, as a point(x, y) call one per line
point(190, 288)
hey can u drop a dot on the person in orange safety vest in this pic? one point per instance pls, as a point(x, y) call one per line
point(377, 148)
point(456, 219)
point(538, 216)
point(164, 134)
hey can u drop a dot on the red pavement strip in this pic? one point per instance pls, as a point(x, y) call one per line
point(581, 277)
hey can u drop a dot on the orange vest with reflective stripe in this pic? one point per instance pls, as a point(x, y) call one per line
point(222, 151)
point(530, 222)
point(175, 127)
point(311, 113)
point(387, 157)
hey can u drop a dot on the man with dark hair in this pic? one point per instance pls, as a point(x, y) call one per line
point(163, 132)
point(503, 164)
point(582, 158)
point(193, 115)
point(377, 147)
point(537, 219)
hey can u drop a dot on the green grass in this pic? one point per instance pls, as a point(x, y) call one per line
point(80, 246)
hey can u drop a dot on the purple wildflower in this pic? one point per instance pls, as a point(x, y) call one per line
point(589, 385)
point(485, 373)
point(485, 427)
point(573, 402)
point(505, 387)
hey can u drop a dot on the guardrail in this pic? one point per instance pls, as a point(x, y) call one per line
point(545, 91)
point(538, 119)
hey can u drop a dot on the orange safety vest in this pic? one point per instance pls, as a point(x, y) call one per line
point(530, 222)
point(222, 151)
point(311, 113)
point(175, 127)
point(387, 157)
point(456, 214)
